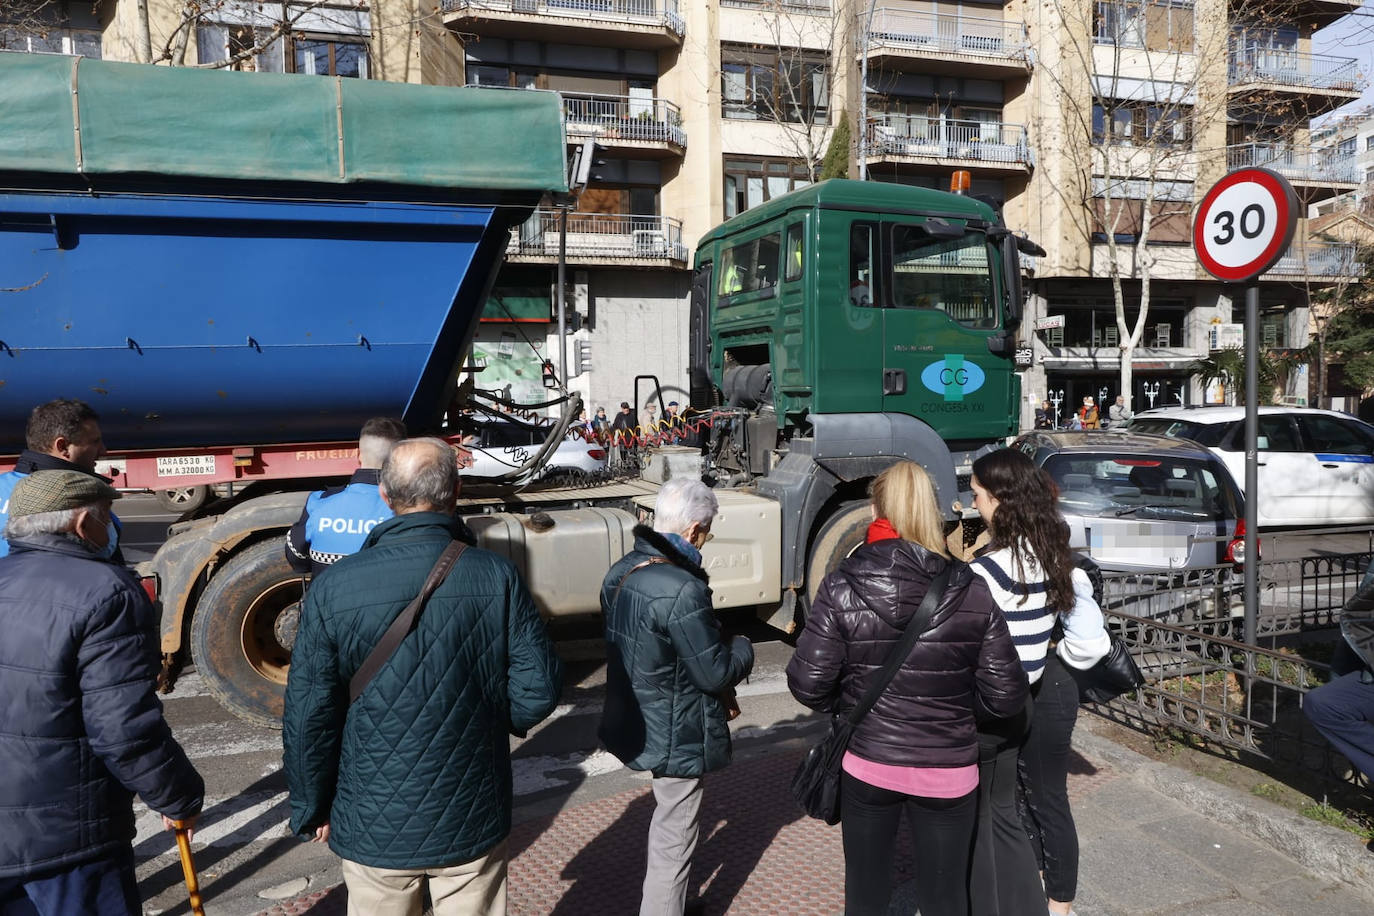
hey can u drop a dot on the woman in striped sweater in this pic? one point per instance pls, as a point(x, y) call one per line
point(1031, 573)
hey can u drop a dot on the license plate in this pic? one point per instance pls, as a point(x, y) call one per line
point(185, 465)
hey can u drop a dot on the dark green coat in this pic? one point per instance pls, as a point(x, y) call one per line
point(666, 664)
point(417, 772)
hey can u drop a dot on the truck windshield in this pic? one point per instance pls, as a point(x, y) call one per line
point(951, 275)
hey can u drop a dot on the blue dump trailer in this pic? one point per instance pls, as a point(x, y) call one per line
point(212, 257)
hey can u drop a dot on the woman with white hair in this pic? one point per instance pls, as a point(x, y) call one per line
point(670, 678)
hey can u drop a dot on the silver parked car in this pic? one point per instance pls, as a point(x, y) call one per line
point(1141, 503)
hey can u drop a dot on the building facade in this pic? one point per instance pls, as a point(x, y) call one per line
point(1096, 124)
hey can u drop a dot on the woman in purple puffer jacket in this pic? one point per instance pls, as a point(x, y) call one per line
point(917, 749)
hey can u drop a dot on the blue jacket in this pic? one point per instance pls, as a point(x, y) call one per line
point(417, 772)
point(336, 521)
point(37, 461)
point(81, 729)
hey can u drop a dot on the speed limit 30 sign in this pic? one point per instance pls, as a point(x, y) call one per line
point(1244, 224)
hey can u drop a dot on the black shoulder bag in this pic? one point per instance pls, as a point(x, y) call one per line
point(816, 784)
point(404, 623)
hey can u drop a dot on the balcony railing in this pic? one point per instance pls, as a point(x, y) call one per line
point(635, 12)
point(1296, 163)
point(805, 7)
point(1294, 68)
point(923, 137)
point(623, 117)
point(613, 236)
point(958, 35)
point(1316, 260)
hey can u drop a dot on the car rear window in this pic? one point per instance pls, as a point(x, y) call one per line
point(1143, 486)
point(1209, 434)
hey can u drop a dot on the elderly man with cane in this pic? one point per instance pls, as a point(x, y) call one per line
point(82, 730)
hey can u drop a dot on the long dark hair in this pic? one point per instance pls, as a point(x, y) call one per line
point(1027, 516)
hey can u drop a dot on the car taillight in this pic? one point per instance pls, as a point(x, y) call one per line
point(1235, 550)
point(596, 454)
point(149, 584)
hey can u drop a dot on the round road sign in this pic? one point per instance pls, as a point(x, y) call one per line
point(1244, 224)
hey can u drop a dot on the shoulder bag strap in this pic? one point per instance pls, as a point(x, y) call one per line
point(919, 624)
point(404, 622)
point(633, 569)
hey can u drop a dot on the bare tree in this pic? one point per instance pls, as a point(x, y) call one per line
point(24, 23)
point(253, 29)
point(1139, 104)
point(786, 76)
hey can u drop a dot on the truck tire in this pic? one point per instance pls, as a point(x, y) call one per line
point(182, 499)
point(836, 540)
point(236, 632)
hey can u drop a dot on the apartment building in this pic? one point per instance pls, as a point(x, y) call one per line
point(1094, 122)
point(1351, 139)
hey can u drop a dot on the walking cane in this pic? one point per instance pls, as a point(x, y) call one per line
point(188, 867)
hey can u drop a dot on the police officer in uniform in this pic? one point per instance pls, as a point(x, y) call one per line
point(336, 521)
point(61, 435)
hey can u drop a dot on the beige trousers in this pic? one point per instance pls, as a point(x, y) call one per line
point(476, 888)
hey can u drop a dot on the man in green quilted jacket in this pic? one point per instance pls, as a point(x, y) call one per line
point(411, 784)
point(670, 679)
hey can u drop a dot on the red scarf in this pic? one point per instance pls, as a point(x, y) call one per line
point(881, 530)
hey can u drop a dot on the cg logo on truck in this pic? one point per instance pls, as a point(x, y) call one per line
point(952, 377)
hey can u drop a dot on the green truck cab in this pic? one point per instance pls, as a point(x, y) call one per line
point(846, 326)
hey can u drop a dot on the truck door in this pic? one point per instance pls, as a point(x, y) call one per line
point(943, 305)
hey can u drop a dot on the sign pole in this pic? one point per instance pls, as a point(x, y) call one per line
point(1251, 586)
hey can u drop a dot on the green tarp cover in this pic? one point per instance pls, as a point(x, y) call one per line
point(77, 116)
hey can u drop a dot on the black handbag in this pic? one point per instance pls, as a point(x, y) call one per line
point(816, 784)
point(1116, 673)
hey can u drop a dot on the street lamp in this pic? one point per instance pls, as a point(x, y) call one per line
point(863, 95)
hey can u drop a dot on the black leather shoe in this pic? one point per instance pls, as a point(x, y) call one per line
point(695, 907)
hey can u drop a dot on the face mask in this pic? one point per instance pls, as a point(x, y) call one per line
point(111, 541)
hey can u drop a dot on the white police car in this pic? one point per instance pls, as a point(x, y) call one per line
point(503, 444)
point(1316, 467)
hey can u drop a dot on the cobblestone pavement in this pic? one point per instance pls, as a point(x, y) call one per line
point(757, 854)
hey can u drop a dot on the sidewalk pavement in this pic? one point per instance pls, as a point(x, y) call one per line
point(1155, 840)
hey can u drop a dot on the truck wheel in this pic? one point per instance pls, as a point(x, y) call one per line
point(182, 499)
point(837, 539)
point(242, 632)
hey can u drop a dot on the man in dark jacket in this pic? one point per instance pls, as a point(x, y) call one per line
point(81, 729)
point(670, 679)
point(412, 782)
point(336, 521)
point(61, 435)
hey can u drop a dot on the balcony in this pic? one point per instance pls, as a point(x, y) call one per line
point(631, 124)
point(942, 144)
point(1317, 262)
point(1319, 82)
point(601, 238)
point(648, 24)
point(1315, 13)
point(901, 39)
point(1315, 173)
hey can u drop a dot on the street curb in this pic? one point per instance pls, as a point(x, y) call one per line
point(1326, 852)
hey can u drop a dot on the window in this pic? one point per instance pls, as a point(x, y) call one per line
point(1369, 143)
point(749, 182)
point(1153, 486)
point(216, 43)
point(329, 57)
point(795, 253)
point(749, 267)
point(1159, 25)
point(1334, 437)
point(950, 275)
point(1126, 123)
point(863, 255)
point(1118, 208)
point(52, 41)
point(1345, 148)
point(1275, 434)
point(787, 85)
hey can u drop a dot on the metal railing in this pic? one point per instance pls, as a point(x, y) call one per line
point(965, 36)
point(1294, 68)
point(924, 137)
point(1184, 630)
point(1296, 163)
point(634, 12)
point(805, 7)
point(613, 236)
point(623, 117)
point(1315, 260)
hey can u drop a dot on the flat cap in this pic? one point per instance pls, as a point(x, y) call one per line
point(55, 491)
